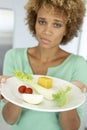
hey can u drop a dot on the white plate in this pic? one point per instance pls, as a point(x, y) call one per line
point(75, 97)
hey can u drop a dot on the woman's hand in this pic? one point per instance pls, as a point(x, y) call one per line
point(2, 81)
point(80, 85)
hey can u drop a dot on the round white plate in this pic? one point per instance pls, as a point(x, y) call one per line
point(75, 97)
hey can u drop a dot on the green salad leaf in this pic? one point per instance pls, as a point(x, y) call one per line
point(61, 96)
point(22, 76)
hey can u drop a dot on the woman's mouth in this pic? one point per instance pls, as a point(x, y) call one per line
point(45, 40)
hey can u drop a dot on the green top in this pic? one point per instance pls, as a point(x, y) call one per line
point(73, 68)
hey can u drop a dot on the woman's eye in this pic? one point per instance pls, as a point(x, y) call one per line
point(41, 22)
point(57, 25)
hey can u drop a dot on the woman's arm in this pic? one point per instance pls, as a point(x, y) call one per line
point(80, 85)
point(69, 120)
point(11, 112)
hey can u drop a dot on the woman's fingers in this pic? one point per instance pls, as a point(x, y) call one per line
point(2, 81)
point(80, 85)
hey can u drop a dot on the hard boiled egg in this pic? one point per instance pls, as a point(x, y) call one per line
point(33, 98)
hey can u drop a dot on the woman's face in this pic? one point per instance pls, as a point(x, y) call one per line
point(50, 28)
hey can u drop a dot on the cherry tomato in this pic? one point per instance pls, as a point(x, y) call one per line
point(22, 89)
point(28, 90)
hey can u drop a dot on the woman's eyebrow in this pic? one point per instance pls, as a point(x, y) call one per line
point(40, 18)
point(58, 20)
point(53, 19)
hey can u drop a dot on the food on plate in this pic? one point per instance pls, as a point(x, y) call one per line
point(45, 82)
point(47, 93)
point(21, 88)
point(22, 76)
point(33, 98)
point(25, 89)
point(61, 97)
point(28, 90)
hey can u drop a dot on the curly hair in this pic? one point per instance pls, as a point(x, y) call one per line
point(74, 10)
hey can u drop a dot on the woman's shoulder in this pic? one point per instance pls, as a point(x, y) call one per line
point(16, 51)
point(77, 59)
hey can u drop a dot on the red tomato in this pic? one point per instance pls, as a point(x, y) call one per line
point(28, 90)
point(22, 89)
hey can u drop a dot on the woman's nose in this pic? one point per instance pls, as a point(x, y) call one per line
point(48, 30)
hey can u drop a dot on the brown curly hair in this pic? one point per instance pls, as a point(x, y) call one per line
point(74, 10)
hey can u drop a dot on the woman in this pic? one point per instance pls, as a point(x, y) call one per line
point(52, 22)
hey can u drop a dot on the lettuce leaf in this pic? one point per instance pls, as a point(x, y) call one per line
point(61, 96)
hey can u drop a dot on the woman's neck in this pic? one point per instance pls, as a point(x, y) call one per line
point(47, 54)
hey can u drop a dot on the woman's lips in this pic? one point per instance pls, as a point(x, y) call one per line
point(44, 40)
